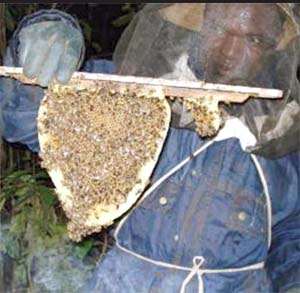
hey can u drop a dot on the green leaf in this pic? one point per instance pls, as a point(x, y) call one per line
point(23, 191)
point(41, 175)
point(83, 248)
point(20, 275)
point(19, 222)
point(12, 247)
point(27, 178)
point(9, 20)
point(2, 202)
point(58, 229)
point(31, 8)
point(47, 195)
point(126, 7)
point(87, 30)
point(16, 174)
point(123, 20)
point(97, 47)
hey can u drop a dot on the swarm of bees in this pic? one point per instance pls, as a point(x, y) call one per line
point(205, 112)
point(100, 143)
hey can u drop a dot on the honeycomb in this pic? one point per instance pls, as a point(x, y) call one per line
point(205, 113)
point(99, 143)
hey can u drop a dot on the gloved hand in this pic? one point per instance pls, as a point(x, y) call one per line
point(50, 49)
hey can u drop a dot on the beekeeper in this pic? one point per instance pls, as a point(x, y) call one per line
point(222, 214)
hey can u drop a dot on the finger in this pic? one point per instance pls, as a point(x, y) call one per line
point(29, 36)
point(35, 58)
point(69, 61)
point(51, 64)
point(24, 50)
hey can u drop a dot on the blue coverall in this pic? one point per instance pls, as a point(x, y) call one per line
point(214, 207)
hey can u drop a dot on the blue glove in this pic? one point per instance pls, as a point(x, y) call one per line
point(50, 50)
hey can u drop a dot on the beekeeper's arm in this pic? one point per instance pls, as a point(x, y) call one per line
point(48, 44)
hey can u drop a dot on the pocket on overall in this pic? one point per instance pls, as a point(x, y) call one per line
point(153, 229)
point(235, 232)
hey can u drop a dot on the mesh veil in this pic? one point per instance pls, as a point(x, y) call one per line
point(180, 41)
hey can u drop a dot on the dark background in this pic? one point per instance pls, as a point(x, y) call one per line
point(102, 24)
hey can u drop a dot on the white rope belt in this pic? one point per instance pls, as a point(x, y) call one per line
point(196, 270)
point(198, 261)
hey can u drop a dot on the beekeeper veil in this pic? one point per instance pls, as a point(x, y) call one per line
point(238, 43)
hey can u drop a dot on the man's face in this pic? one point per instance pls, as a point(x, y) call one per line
point(236, 36)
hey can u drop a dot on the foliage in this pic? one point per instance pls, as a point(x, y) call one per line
point(14, 13)
point(123, 20)
point(35, 235)
point(88, 36)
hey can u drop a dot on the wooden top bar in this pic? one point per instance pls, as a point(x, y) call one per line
point(227, 93)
